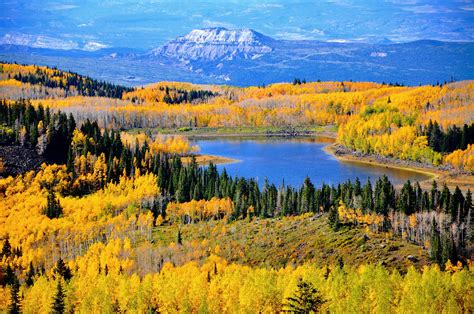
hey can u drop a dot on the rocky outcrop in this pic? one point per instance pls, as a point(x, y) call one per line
point(18, 159)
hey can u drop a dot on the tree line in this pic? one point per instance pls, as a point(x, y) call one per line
point(179, 96)
point(83, 85)
point(446, 141)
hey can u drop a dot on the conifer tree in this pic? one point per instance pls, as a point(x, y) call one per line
point(6, 249)
point(14, 307)
point(53, 208)
point(30, 275)
point(435, 244)
point(334, 218)
point(62, 270)
point(59, 306)
point(10, 276)
point(179, 238)
point(306, 299)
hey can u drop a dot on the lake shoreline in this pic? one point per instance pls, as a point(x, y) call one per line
point(451, 178)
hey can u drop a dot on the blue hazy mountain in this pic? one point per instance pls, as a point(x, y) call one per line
point(246, 57)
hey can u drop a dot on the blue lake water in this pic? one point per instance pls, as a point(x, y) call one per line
point(292, 160)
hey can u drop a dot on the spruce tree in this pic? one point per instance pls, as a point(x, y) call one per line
point(58, 301)
point(7, 248)
point(306, 299)
point(14, 307)
point(62, 270)
point(53, 208)
point(10, 276)
point(334, 218)
point(179, 238)
point(30, 275)
point(367, 197)
point(435, 243)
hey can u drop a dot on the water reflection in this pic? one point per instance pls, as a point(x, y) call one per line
point(291, 160)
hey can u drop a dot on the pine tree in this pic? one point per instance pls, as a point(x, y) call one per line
point(58, 302)
point(7, 248)
point(30, 275)
point(435, 244)
point(467, 204)
point(10, 276)
point(53, 208)
point(307, 196)
point(179, 238)
point(306, 299)
point(434, 196)
point(62, 270)
point(334, 218)
point(435, 140)
point(367, 197)
point(14, 307)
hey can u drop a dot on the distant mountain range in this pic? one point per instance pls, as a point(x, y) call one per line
point(246, 57)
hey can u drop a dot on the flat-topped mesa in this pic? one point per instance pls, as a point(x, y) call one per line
point(217, 43)
point(224, 35)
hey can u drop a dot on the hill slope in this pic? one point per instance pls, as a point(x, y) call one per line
point(288, 241)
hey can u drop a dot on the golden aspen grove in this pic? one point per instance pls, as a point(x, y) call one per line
point(110, 212)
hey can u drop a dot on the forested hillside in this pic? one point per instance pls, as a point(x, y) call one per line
point(116, 221)
point(428, 124)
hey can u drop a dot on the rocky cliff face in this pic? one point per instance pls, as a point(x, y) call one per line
point(214, 44)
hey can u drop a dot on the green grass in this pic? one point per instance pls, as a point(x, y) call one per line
point(291, 241)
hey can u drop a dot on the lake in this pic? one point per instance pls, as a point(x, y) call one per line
point(292, 160)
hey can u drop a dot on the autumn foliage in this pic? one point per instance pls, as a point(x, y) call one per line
point(79, 233)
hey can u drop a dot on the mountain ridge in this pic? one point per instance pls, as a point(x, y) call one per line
point(246, 57)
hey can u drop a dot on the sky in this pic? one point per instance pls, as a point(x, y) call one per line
point(145, 24)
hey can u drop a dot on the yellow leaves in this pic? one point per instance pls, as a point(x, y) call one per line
point(462, 159)
point(219, 287)
point(84, 219)
point(12, 82)
point(412, 221)
point(450, 268)
point(375, 136)
point(78, 142)
point(172, 145)
point(200, 210)
point(159, 220)
point(390, 128)
point(38, 298)
point(160, 144)
point(356, 216)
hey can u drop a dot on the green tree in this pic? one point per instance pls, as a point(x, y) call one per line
point(334, 218)
point(53, 208)
point(179, 238)
point(306, 299)
point(58, 301)
point(307, 196)
point(367, 197)
point(62, 270)
point(6, 249)
point(435, 243)
point(30, 275)
point(10, 276)
point(14, 307)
